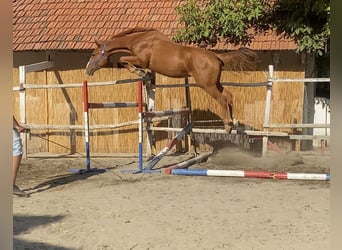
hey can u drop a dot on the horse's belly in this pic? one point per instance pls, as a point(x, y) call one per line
point(169, 67)
point(171, 73)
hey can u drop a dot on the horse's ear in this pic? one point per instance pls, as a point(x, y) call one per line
point(97, 43)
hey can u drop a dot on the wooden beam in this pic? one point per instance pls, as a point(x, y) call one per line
point(39, 66)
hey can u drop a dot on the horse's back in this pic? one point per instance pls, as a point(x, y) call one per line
point(176, 60)
point(138, 35)
point(135, 30)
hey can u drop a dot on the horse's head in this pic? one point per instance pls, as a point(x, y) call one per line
point(98, 58)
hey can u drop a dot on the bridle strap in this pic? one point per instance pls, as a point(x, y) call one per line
point(103, 51)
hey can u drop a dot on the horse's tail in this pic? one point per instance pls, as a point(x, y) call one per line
point(241, 59)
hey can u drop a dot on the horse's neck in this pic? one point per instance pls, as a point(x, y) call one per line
point(125, 43)
point(119, 43)
point(133, 31)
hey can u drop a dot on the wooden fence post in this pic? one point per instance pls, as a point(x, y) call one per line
point(267, 109)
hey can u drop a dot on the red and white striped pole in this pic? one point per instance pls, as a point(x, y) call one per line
point(140, 118)
point(86, 121)
point(252, 174)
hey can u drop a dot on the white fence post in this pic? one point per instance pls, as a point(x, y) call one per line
point(22, 105)
point(267, 109)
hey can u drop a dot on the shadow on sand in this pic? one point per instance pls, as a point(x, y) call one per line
point(60, 180)
point(23, 224)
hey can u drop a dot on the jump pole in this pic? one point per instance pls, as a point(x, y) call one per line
point(187, 163)
point(86, 122)
point(112, 105)
point(167, 148)
point(87, 106)
point(141, 121)
point(162, 153)
point(140, 131)
point(171, 112)
point(251, 174)
point(86, 134)
point(141, 116)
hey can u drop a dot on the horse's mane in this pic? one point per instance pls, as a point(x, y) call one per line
point(132, 30)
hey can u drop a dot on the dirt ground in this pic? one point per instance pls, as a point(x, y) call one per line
point(119, 210)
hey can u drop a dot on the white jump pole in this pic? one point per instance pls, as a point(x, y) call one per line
point(167, 148)
point(251, 174)
point(141, 121)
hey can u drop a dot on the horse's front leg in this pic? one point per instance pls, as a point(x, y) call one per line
point(225, 99)
point(130, 63)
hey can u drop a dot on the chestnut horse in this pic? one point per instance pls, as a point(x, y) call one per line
point(149, 49)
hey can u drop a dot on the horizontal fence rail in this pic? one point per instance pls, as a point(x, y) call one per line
point(300, 80)
point(71, 85)
point(297, 125)
point(232, 84)
point(266, 126)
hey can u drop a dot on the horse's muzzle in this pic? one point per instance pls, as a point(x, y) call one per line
point(89, 72)
point(89, 69)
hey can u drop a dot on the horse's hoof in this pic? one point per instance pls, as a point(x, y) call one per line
point(192, 153)
point(195, 154)
point(232, 125)
point(235, 123)
point(149, 75)
point(146, 76)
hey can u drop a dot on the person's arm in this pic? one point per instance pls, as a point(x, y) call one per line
point(17, 126)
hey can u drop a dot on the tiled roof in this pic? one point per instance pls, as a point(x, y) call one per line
point(75, 24)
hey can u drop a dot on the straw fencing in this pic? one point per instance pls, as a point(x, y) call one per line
point(52, 106)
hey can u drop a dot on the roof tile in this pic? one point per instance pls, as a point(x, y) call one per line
point(75, 24)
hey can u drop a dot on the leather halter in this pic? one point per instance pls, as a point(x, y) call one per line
point(103, 50)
